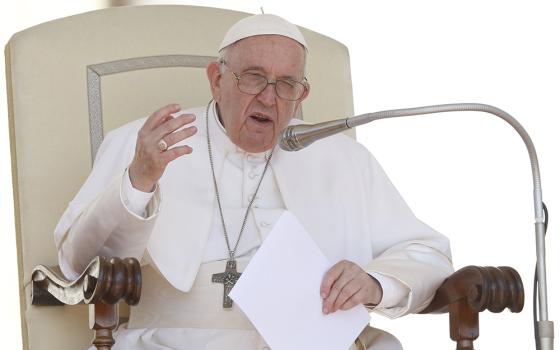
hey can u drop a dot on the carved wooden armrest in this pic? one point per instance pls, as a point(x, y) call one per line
point(102, 285)
point(474, 289)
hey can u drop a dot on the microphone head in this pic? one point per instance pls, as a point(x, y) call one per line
point(288, 140)
point(297, 137)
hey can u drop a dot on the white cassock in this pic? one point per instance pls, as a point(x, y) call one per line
point(334, 187)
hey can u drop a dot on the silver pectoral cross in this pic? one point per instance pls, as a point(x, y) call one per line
point(228, 279)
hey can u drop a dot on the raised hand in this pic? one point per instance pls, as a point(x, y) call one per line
point(154, 146)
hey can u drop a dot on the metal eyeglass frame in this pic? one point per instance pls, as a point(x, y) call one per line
point(238, 76)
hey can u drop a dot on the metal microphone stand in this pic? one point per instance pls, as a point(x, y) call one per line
point(299, 136)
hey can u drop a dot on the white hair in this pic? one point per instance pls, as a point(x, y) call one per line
point(222, 58)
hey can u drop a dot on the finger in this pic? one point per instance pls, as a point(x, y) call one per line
point(347, 293)
point(180, 135)
point(336, 289)
point(160, 115)
point(356, 299)
point(173, 124)
point(330, 278)
point(175, 152)
point(166, 118)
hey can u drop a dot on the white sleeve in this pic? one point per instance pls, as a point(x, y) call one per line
point(409, 253)
point(415, 271)
point(135, 201)
point(107, 228)
point(96, 221)
point(394, 292)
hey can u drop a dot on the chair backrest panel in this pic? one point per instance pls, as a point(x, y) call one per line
point(108, 92)
point(57, 70)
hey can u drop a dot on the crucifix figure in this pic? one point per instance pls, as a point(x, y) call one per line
point(228, 279)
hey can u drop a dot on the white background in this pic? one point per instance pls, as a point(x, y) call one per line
point(466, 174)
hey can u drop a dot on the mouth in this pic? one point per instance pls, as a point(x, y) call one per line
point(261, 118)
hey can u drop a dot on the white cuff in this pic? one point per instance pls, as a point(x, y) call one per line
point(395, 293)
point(134, 200)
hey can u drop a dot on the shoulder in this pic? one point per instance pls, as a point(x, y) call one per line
point(339, 147)
point(338, 153)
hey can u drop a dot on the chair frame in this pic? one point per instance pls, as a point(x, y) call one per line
point(105, 282)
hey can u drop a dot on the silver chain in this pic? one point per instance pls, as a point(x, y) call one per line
point(230, 251)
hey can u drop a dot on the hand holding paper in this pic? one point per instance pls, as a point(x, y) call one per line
point(346, 285)
point(279, 291)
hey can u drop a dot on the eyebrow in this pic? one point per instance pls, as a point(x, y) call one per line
point(261, 69)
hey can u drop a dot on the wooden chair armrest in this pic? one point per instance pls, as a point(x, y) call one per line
point(474, 289)
point(102, 284)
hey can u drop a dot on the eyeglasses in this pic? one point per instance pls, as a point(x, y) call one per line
point(254, 84)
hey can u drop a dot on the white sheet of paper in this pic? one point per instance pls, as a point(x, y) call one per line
point(279, 293)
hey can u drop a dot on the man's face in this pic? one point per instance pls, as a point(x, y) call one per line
point(254, 122)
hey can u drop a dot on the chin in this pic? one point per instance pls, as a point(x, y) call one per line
point(257, 145)
point(258, 148)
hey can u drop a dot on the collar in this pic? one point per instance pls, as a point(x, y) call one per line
point(221, 140)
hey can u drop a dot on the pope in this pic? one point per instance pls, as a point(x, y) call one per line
point(194, 192)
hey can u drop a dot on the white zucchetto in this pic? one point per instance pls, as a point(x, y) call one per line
point(261, 25)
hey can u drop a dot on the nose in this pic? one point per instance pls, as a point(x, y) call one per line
point(268, 96)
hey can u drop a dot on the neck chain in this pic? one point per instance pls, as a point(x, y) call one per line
point(230, 276)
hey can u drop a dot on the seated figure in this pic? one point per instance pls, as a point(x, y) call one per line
point(190, 191)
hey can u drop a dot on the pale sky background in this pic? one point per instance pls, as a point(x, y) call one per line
point(465, 174)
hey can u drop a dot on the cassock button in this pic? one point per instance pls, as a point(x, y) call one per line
point(265, 224)
point(252, 175)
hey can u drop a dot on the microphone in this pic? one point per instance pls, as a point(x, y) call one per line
point(297, 137)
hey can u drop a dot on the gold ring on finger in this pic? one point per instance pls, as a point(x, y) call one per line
point(162, 145)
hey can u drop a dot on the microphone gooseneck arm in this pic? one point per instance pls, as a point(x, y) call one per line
point(297, 137)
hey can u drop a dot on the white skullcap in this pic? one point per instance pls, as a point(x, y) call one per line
point(261, 25)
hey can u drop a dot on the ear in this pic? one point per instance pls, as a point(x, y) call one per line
point(307, 89)
point(305, 94)
point(214, 78)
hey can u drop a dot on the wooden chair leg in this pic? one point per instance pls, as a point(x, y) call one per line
point(103, 318)
point(463, 321)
